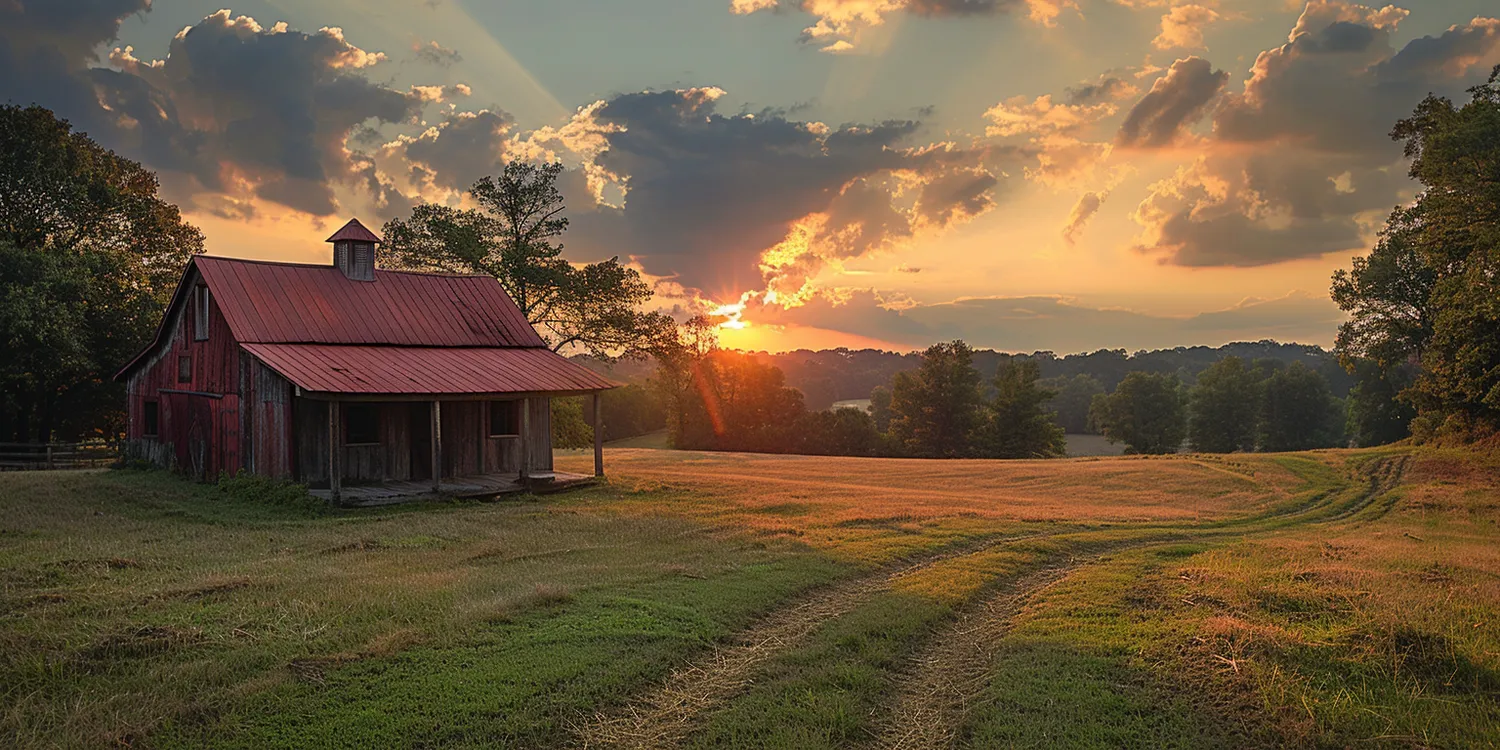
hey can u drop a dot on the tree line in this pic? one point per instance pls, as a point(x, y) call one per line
point(719, 400)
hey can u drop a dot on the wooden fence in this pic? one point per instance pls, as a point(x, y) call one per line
point(43, 456)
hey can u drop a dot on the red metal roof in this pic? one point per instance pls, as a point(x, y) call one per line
point(436, 371)
point(354, 231)
point(291, 303)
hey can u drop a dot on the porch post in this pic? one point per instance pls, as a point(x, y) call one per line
point(437, 446)
point(525, 440)
point(335, 452)
point(598, 435)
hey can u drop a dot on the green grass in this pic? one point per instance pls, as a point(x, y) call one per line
point(1320, 603)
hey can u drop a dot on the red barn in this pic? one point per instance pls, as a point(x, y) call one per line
point(361, 382)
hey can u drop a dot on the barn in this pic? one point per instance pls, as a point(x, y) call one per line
point(363, 383)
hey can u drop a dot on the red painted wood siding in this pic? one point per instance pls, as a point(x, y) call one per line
point(199, 420)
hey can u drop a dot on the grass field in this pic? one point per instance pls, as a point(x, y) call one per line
point(1328, 599)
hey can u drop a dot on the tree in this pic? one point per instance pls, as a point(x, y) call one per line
point(512, 237)
point(836, 432)
point(1223, 407)
point(880, 408)
point(936, 409)
point(1145, 413)
point(89, 256)
point(1388, 296)
point(1018, 423)
point(1074, 397)
point(1298, 412)
point(1428, 291)
point(1377, 414)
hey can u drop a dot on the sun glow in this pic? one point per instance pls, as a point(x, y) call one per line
point(731, 314)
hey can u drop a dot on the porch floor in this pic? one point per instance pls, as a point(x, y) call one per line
point(469, 487)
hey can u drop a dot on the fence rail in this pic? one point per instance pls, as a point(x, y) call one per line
point(43, 456)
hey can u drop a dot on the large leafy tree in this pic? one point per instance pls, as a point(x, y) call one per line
point(936, 409)
point(1376, 413)
point(1297, 411)
point(89, 255)
point(1018, 423)
point(513, 236)
point(1428, 292)
point(1223, 408)
point(1145, 412)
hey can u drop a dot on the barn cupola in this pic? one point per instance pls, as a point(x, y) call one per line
point(354, 251)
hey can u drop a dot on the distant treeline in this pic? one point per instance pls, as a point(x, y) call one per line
point(953, 401)
point(827, 376)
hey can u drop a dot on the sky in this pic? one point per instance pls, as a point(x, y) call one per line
point(1063, 175)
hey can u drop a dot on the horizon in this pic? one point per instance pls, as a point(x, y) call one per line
point(1046, 175)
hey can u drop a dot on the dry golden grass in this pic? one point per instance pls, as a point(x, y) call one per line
point(903, 490)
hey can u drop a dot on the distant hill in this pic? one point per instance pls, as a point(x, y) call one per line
point(831, 375)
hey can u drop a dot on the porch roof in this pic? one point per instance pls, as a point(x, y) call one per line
point(427, 371)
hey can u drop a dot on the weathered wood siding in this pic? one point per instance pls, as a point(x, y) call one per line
point(268, 421)
point(198, 417)
point(463, 437)
point(539, 440)
point(310, 441)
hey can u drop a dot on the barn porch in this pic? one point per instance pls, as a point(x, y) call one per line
point(472, 487)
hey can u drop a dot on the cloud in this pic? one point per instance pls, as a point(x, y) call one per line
point(729, 203)
point(1060, 324)
point(1299, 164)
point(457, 152)
point(1088, 204)
point(840, 20)
point(433, 53)
point(1176, 100)
point(1182, 27)
point(234, 113)
point(1106, 88)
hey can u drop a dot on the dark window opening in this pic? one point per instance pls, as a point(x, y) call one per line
point(184, 369)
point(149, 424)
point(361, 424)
point(505, 418)
point(200, 314)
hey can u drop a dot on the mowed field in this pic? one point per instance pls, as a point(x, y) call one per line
point(1333, 599)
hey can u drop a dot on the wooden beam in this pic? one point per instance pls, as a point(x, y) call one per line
point(598, 435)
point(525, 440)
point(437, 446)
point(335, 452)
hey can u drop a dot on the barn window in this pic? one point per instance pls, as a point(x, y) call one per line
point(361, 424)
point(184, 369)
point(149, 417)
point(505, 418)
point(200, 313)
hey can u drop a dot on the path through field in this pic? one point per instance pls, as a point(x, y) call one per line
point(662, 717)
point(932, 693)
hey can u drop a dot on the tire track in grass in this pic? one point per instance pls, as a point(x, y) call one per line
point(667, 714)
point(943, 679)
point(942, 682)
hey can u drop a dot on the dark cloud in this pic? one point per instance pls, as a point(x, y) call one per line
point(436, 54)
point(463, 148)
point(1107, 89)
point(233, 108)
point(1057, 324)
point(1322, 171)
point(708, 195)
point(1174, 102)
